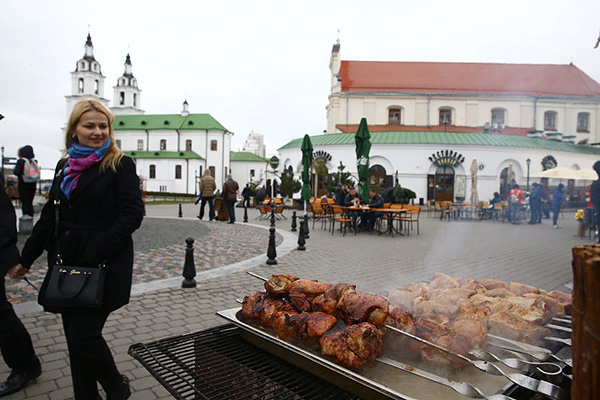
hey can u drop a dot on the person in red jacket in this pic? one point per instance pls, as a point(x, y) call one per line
point(516, 201)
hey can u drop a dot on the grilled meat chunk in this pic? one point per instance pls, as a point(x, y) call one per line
point(565, 299)
point(302, 292)
point(354, 345)
point(512, 326)
point(263, 308)
point(354, 308)
point(278, 285)
point(296, 327)
point(327, 301)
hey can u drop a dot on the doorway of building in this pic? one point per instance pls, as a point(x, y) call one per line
point(321, 177)
point(377, 178)
point(444, 183)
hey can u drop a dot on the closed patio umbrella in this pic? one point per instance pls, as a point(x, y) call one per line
point(307, 154)
point(474, 194)
point(363, 147)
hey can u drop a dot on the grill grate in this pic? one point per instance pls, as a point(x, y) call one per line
point(218, 364)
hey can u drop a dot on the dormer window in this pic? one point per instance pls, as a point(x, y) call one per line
point(140, 144)
point(163, 144)
point(498, 116)
point(445, 116)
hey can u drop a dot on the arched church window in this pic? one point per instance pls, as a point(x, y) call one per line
point(135, 99)
point(121, 98)
point(188, 145)
point(140, 144)
point(82, 65)
point(96, 87)
point(163, 144)
point(80, 85)
point(178, 172)
point(213, 145)
point(152, 174)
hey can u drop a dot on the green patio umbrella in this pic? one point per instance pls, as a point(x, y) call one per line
point(363, 146)
point(307, 153)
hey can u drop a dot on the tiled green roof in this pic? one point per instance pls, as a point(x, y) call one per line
point(185, 155)
point(457, 138)
point(246, 156)
point(166, 121)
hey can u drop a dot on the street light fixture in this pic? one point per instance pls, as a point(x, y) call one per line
point(528, 161)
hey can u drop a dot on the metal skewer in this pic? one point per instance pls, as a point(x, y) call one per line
point(464, 388)
point(559, 328)
point(566, 341)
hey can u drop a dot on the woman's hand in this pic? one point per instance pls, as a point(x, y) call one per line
point(17, 272)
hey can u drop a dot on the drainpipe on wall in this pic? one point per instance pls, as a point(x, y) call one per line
point(178, 140)
point(187, 175)
point(428, 110)
point(535, 112)
point(147, 139)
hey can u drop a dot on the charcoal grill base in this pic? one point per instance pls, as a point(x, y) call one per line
point(219, 364)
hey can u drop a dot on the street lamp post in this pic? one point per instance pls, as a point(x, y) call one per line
point(528, 161)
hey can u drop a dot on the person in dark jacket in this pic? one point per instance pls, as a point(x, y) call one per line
point(230, 190)
point(339, 194)
point(246, 195)
point(26, 189)
point(558, 199)
point(15, 342)
point(535, 204)
point(100, 206)
point(595, 196)
point(375, 201)
point(261, 195)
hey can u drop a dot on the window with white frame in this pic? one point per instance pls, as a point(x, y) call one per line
point(140, 144)
point(394, 116)
point(498, 116)
point(213, 145)
point(152, 172)
point(445, 116)
point(178, 172)
point(188, 145)
point(163, 144)
point(583, 122)
point(550, 121)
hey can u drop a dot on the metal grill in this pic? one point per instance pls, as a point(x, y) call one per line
point(218, 364)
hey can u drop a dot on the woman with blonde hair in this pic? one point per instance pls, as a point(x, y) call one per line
point(97, 194)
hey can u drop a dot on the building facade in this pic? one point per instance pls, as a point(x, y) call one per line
point(430, 122)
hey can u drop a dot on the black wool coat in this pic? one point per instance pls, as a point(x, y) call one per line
point(95, 227)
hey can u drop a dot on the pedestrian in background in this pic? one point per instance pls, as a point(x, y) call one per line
point(535, 204)
point(595, 196)
point(15, 342)
point(246, 195)
point(261, 195)
point(207, 191)
point(230, 190)
point(516, 203)
point(99, 205)
point(558, 199)
point(27, 184)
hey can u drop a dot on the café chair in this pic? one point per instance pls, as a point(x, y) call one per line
point(411, 217)
point(320, 214)
point(338, 214)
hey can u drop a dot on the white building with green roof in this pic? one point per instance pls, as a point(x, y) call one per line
point(171, 151)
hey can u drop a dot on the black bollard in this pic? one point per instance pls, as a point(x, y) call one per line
point(180, 212)
point(271, 252)
point(273, 215)
point(245, 211)
point(306, 232)
point(189, 269)
point(301, 240)
point(294, 221)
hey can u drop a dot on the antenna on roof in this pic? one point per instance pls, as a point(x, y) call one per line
point(597, 43)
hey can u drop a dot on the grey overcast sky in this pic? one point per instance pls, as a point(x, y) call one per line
point(259, 66)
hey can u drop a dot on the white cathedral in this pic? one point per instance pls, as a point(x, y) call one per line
point(171, 151)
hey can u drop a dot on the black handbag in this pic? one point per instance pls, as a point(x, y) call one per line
point(72, 286)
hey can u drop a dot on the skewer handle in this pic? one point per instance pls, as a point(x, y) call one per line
point(256, 276)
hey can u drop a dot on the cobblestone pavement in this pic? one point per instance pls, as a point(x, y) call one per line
point(534, 254)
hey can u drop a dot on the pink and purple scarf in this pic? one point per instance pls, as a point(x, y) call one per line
point(81, 158)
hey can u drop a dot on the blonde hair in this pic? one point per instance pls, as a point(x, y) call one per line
point(113, 156)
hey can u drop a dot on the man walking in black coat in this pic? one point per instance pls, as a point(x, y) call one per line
point(595, 196)
point(15, 342)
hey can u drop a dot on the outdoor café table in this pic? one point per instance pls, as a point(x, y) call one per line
point(392, 215)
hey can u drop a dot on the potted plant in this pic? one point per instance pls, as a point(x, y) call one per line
point(580, 217)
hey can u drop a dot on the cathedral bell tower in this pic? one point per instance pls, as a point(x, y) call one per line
point(127, 95)
point(87, 80)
